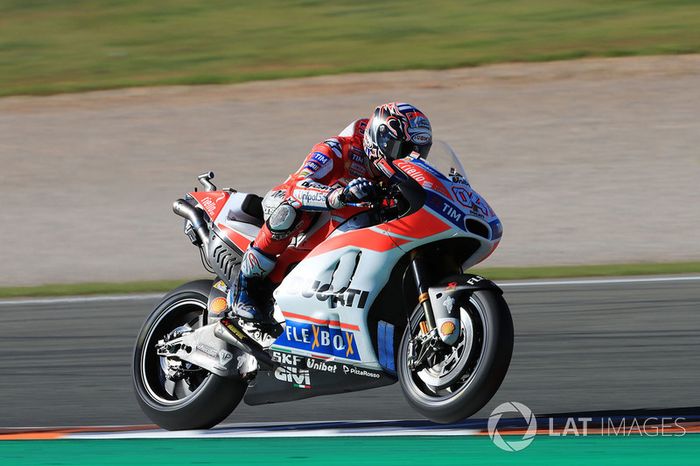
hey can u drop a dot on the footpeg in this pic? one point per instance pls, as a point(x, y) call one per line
point(273, 330)
point(230, 332)
point(264, 332)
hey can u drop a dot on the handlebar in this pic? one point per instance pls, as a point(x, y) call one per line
point(408, 197)
point(362, 204)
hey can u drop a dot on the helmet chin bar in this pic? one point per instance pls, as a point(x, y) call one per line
point(422, 150)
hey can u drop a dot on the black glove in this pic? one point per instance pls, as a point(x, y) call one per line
point(358, 190)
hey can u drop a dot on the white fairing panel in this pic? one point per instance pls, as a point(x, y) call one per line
point(325, 301)
point(232, 216)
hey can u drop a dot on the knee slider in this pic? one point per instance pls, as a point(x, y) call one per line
point(282, 221)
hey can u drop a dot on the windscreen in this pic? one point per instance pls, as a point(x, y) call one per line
point(444, 159)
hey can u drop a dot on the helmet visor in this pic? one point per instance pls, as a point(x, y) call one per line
point(394, 149)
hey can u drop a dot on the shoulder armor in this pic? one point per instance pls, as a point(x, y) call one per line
point(356, 128)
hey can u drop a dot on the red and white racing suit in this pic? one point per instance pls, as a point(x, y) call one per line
point(290, 207)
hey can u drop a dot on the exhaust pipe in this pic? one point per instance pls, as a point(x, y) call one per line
point(195, 216)
point(234, 335)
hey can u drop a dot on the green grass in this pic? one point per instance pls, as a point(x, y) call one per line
point(607, 270)
point(49, 46)
point(75, 289)
point(494, 273)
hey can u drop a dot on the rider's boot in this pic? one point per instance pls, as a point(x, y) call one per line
point(243, 299)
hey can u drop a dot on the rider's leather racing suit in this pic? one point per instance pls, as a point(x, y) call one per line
point(289, 208)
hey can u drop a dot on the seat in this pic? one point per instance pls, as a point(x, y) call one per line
point(248, 211)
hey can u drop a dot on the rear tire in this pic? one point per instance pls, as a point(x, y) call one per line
point(204, 399)
point(480, 378)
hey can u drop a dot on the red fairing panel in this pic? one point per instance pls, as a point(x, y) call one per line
point(364, 238)
point(211, 201)
point(238, 239)
point(422, 177)
point(419, 225)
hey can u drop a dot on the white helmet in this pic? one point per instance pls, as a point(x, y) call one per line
point(395, 130)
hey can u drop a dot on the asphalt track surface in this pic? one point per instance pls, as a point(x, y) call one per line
point(580, 346)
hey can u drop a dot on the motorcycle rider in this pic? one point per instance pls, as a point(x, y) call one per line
point(338, 171)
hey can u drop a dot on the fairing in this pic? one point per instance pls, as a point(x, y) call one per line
point(325, 300)
point(224, 209)
point(331, 291)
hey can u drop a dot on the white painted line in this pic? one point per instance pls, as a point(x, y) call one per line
point(599, 281)
point(309, 429)
point(504, 284)
point(260, 433)
point(81, 299)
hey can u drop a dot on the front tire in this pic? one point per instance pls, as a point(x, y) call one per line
point(459, 387)
point(198, 401)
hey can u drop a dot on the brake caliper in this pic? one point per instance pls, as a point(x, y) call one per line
point(424, 348)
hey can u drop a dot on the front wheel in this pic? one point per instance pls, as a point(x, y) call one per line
point(459, 380)
point(173, 395)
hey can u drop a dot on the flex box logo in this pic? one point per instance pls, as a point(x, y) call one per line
point(319, 339)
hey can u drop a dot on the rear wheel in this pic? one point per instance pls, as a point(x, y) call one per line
point(459, 380)
point(180, 396)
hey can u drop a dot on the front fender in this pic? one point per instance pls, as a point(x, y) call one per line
point(444, 296)
point(471, 282)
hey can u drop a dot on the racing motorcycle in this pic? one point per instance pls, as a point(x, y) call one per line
point(371, 294)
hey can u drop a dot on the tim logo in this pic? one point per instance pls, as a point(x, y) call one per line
point(319, 339)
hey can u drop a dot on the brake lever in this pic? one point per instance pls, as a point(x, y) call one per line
point(360, 204)
point(385, 193)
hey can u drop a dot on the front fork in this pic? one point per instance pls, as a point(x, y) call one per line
point(418, 269)
point(441, 327)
